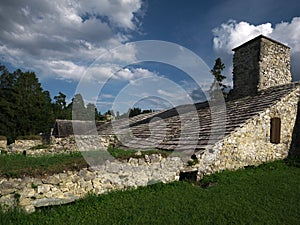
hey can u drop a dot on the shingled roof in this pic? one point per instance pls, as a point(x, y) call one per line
point(167, 133)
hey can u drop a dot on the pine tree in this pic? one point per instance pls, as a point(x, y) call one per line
point(33, 106)
point(218, 78)
point(60, 106)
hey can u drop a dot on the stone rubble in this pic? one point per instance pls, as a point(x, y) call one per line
point(31, 193)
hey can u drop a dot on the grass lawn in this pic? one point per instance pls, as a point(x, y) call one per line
point(16, 165)
point(268, 194)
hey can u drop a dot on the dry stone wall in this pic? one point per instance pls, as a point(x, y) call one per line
point(20, 145)
point(63, 145)
point(31, 193)
point(250, 144)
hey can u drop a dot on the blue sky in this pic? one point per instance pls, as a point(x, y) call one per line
point(60, 39)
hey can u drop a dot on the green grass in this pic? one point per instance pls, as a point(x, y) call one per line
point(268, 194)
point(16, 165)
point(126, 154)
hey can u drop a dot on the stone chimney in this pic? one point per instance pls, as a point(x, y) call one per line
point(259, 64)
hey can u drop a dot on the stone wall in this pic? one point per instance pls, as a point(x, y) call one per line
point(274, 64)
point(27, 143)
point(63, 145)
point(246, 69)
point(30, 193)
point(3, 144)
point(250, 144)
point(259, 64)
point(20, 145)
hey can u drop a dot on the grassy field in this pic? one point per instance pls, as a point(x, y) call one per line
point(268, 194)
point(16, 165)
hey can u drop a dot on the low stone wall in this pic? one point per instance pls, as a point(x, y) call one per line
point(20, 145)
point(250, 144)
point(27, 143)
point(30, 193)
point(3, 144)
point(64, 145)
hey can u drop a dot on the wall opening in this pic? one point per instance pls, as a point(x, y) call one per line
point(275, 130)
point(188, 175)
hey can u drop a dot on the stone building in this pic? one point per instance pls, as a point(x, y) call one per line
point(258, 126)
point(260, 115)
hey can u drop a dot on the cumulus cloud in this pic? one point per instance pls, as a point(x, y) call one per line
point(232, 34)
point(61, 37)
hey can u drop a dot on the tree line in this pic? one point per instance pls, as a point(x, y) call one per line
point(27, 109)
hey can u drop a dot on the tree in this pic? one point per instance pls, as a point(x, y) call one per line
point(33, 106)
point(134, 112)
point(218, 78)
point(47, 112)
point(8, 115)
point(60, 100)
point(60, 107)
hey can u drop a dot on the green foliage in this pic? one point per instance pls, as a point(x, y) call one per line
point(137, 111)
point(60, 107)
point(25, 107)
point(192, 162)
point(33, 185)
point(134, 112)
point(17, 196)
point(120, 153)
point(218, 78)
point(268, 194)
point(123, 154)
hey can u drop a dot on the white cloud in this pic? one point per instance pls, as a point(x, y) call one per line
point(167, 94)
point(66, 69)
point(106, 96)
point(134, 75)
point(232, 34)
point(60, 36)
